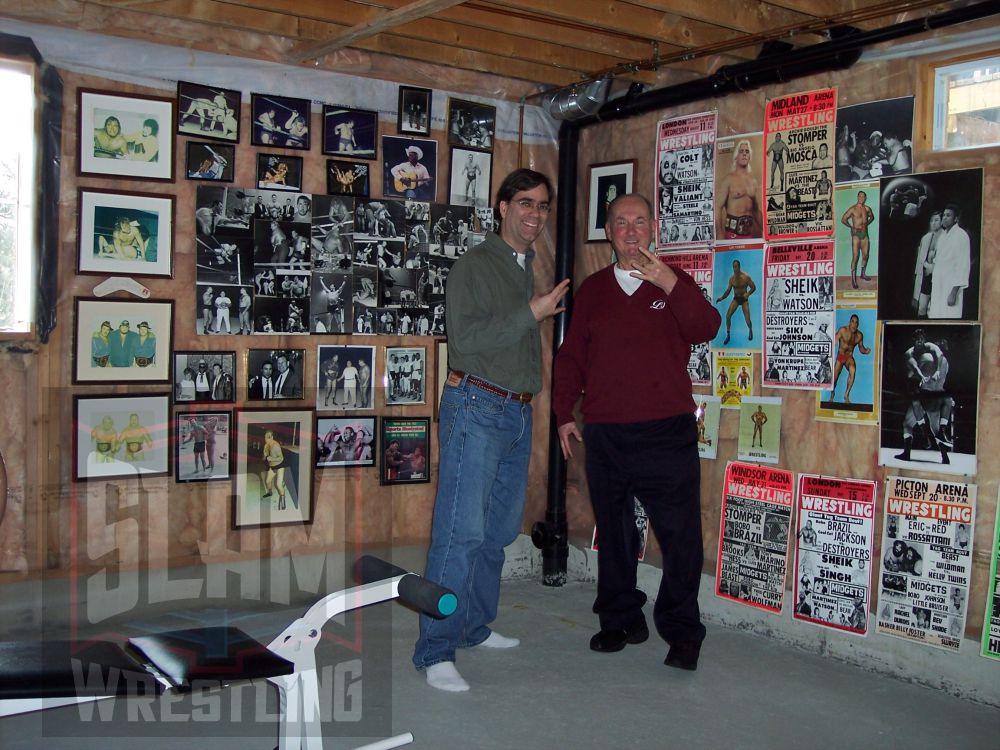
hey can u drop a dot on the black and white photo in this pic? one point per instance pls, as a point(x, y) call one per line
point(280, 121)
point(471, 124)
point(345, 377)
point(208, 111)
point(471, 172)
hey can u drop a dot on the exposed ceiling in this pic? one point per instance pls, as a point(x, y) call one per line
point(536, 45)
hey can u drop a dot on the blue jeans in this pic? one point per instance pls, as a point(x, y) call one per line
point(485, 447)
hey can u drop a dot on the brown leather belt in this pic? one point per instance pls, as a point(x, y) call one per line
point(455, 378)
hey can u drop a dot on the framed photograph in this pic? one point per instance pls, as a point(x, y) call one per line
point(471, 124)
point(345, 377)
point(414, 115)
point(215, 162)
point(345, 441)
point(405, 375)
point(281, 121)
point(204, 377)
point(279, 172)
point(208, 112)
point(275, 374)
point(121, 436)
point(471, 172)
point(347, 177)
point(406, 449)
point(409, 167)
point(350, 132)
point(122, 342)
point(607, 181)
point(125, 234)
point(126, 136)
point(274, 466)
point(441, 369)
point(203, 445)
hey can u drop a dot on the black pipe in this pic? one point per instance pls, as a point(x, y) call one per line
point(840, 53)
point(551, 536)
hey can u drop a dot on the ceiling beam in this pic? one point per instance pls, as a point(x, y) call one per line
point(412, 12)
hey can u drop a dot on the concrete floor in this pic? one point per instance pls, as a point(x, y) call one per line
point(552, 691)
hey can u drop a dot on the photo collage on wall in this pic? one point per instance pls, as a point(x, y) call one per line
point(275, 262)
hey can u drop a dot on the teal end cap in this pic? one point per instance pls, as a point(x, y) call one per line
point(447, 604)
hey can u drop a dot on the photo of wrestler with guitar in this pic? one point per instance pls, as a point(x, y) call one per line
point(409, 167)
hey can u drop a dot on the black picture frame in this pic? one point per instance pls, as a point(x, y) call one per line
point(129, 137)
point(352, 178)
point(413, 116)
point(212, 162)
point(108, 345)
point(279, 172)
point(187, 393)
point(268, 495)
point(394, 154)
point(210, 112)
point(471, 124)
point(330, 449)
point(194, 426)
point(350, 132)
point(256, 359)
point(125, 234)
point(401, 463)
point(274, 122)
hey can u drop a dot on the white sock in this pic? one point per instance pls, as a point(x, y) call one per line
point(444, 676)
point(496, 640)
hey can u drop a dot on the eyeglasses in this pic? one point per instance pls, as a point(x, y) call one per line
point(542, 207)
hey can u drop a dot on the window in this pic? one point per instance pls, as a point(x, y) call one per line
point(17, 197)
point(967, 104)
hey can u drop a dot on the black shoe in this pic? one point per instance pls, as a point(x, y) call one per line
point(683, 655)
point(637, 632)
point(609, 641)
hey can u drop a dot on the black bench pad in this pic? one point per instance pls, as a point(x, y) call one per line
point(60, 669)
point(209, 656)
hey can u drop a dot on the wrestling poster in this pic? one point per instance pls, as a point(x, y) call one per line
point(930, 231)
point(707, 414)
point(833, 552)
point(799, 315)
point(874, 139)
point(753, 538)
point(759, 436)
point(856, 240)
point(698, 263)
point(798, 165)
point(991, 623)
point(685, 173)
point(926, 560)
point(854, 397)
point(738, 213)
point(930, 396)
point(739, 268)
point(733, 377)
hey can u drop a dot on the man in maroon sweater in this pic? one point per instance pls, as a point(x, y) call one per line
point(627, 352)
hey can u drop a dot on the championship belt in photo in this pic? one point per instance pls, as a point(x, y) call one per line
point(101, 361)
point(144, 361)
point(742, 225)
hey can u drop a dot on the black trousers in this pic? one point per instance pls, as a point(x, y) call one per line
point(656, 462)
